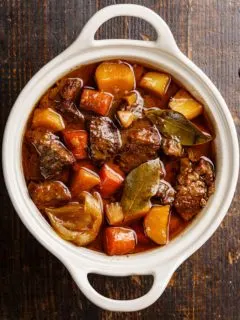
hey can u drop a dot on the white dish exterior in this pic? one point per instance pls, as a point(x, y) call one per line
point(165, 55)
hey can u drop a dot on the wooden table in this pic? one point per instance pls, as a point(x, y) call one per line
point(34, 284)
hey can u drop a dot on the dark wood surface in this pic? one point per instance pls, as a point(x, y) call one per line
point(34, 284)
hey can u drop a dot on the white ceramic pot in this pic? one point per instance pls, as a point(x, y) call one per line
point(165, 55)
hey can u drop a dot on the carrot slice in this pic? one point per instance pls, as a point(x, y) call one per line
point(76, 141)
point(97, 101)
point(119, 241)
point(111, 180)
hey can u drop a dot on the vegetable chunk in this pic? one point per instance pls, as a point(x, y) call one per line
point(111, 180)
point(115, 77)
point(156, 82)
point(97, 101)
point(126, 118)
point(184, 103)
point(84, 180)
point(156, 224)
point(76, 140)
point(119, 241)
point(79, 223)
point(114, 213)
point(49, 119)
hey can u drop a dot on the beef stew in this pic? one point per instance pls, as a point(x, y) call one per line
point(118, 157)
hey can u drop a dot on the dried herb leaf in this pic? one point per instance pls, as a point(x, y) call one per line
point(174, 124)
point(140, 185)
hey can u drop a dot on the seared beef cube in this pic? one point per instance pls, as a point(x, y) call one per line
point(69, 110)
point(53, 154)
point(105, 139)
point(205, 169)
point(49, 193)
point(140, 145)
point(70, 88)
point(165, 192)
point(192, 187)
point(172, 147)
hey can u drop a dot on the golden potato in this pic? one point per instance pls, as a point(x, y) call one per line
point(49, 119)
point(126, 118)
point(156, 224)
point(184, 103)
point(114, 213)
point(156, 82)
point(115, 77)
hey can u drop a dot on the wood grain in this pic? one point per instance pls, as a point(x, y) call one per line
point(34, 284)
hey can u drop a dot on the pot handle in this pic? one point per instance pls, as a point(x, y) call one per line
point(161, 277)
point(165, 40)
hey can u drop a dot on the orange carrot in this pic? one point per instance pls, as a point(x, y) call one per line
point(76, 141)
point(118, 240)
point(111, 179)
point(97, 101)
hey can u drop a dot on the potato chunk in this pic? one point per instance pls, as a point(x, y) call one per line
point(184, 103)
point(114, 213)
point(126, 118)
point(84, 180)
point(156, 224)
point(49, 119)
point(115, 77)
point(156, 82)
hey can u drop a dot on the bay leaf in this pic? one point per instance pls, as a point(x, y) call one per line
point(140, 185)
point(173, 124)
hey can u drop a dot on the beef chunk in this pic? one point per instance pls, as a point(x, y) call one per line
point(105, 139)
point(172, 147)
point(140, 144)
point(49, 193)
point(69, 110)
point(193, 188)
point(53, 154)
point(165, 192)
point(70, 88)
point(205, 169)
